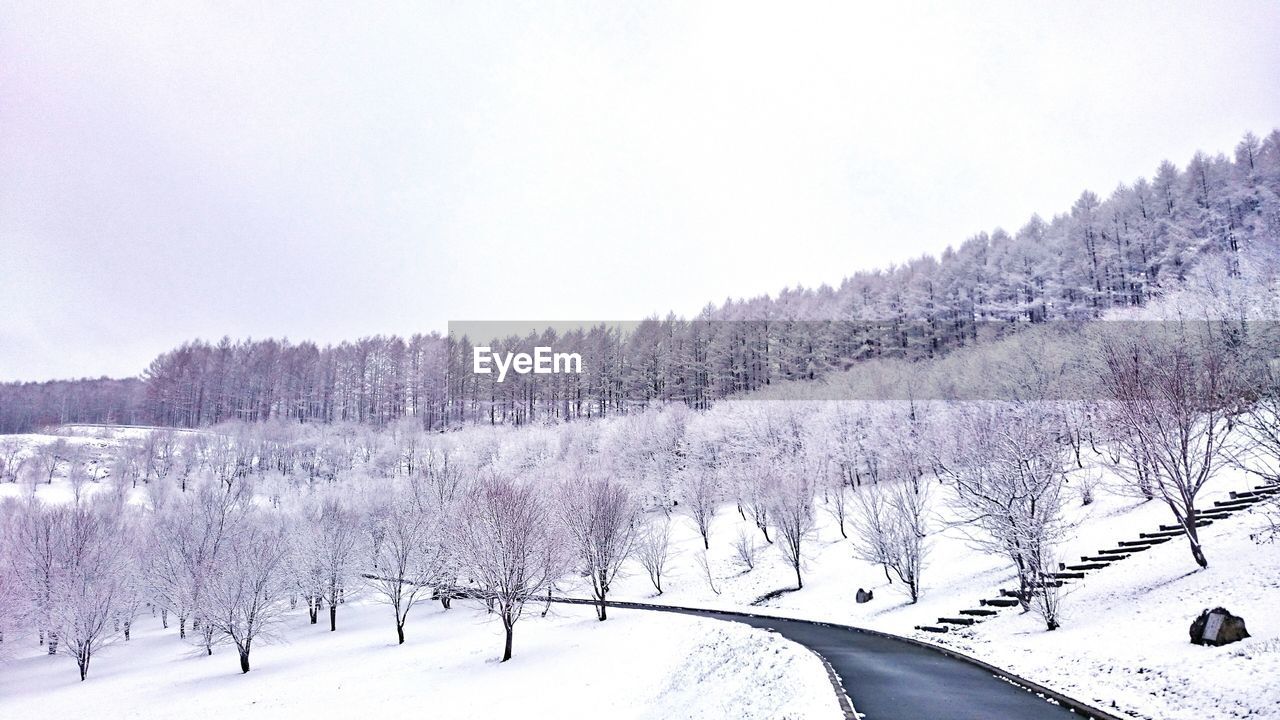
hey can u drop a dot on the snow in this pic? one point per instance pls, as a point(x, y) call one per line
point(638, 664)
point(1124, 638)
point(1123, 644)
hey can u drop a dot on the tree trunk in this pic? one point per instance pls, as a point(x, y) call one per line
point(333, 617)
point(799, 582)
point(506, 652)
point(400, 633)
point(244, 658)
point(1193, 537)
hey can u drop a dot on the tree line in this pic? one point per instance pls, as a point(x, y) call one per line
point(223, 532)
point(1101, 255)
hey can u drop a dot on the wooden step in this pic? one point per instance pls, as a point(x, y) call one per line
point(1162, 534)
point(1073, 575)
point(1212, 515)
point(933, 628)
point(978, 613)
point(957, 620)
point(1148, 542)
point(1088, 566)
point(1199, 523)
point(1102, 558)
point(1047, 583)
point(1253, 494)
point(1001, 602)
point(1234, 504)
point(1124, 550)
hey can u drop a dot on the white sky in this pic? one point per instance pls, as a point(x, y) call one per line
point(324, 171)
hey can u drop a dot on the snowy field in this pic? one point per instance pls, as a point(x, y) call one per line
point(1124, 638)
point(636, 665)
point(1123, 644)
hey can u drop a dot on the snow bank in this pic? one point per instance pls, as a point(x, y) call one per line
point(638, 664)
point(756, 674)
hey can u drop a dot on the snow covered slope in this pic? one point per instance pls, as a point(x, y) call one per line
point(1124, 638)
point(569, 665)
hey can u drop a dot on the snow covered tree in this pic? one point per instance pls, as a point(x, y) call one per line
point(406, 556)
point(246, 594)
point(1173, 390)
point(327, 548)
point(653, 549)
point(505, 540)
point(791, 507)
point(600, 517)
point(93, 577)
point(1007, 469)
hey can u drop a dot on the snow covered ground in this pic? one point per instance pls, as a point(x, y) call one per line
point(1123, 644)
point(1124, 638)
point(637, 664)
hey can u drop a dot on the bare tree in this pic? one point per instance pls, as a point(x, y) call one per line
point(1172, 395)
point(1007, 469)
point(405, 554)
point(329, 548)
point(791, 505)
point(36, 563)
point(744, 549)
point(653, 549)
point(890, 529)
point(188, 543)
point(93, 557)
point(600, 517)
point(701, 497)
point(12, 460)
point(505, 541)
point(49, 457)
point(246, 595)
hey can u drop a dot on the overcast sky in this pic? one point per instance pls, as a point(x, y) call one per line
point(326, 171)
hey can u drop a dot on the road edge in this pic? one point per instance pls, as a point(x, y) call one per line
point(1049, 694)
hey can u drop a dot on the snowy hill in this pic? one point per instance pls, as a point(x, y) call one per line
point(1123, 644)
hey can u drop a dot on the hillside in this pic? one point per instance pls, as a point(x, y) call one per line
point(1101, 255)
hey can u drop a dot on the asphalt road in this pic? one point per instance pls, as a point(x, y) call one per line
point(889, 679)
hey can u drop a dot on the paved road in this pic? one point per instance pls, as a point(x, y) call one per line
point(889, 679)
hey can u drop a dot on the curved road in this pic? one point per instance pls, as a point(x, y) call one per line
point(891, 679)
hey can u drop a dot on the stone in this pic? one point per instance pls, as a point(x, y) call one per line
point(1217, 627)
point(864, 596)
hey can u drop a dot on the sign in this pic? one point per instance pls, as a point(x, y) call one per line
point(1211, 627)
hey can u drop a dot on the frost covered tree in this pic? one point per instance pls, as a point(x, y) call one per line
point(653, 549)
point(246, 594)
point(327, 549)
point(189, 535)
point(36, 562)
point(600, 517)
point(94, 574)
point(1172, 391)
point(505, 540)
point(791, 507)
point(406, 556)
point(1007, 469)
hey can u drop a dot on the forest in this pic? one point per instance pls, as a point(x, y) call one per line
point(1101, 256)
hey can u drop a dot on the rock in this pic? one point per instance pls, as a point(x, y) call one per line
point(864, 596)
point(1217, 627)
